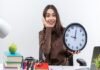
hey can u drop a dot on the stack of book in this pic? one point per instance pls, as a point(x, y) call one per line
point(12, 61)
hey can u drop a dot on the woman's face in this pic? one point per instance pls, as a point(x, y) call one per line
point(50, 17)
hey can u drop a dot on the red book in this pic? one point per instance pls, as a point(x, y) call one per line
point(41, 66)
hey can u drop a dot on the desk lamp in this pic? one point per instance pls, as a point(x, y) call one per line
point(4, 28)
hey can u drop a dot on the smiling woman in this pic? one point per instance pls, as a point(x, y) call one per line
point(52, 49)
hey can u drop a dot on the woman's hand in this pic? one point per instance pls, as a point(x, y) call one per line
point(47, 24)
point(76, 52)
point(69, 53)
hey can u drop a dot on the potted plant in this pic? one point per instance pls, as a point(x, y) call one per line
point(97, 62)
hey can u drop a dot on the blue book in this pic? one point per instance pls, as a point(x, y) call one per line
point(13, 58)
point(8, 54)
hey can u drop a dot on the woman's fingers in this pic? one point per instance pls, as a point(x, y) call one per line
point(76, 52)
point(70, 51)
point(46, 24)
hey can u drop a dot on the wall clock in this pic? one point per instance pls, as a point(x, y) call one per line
point(75, 37)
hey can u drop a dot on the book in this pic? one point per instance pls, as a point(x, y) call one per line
point(12, 65)
point(12, 61)
point(11, 68)
point(17, 57)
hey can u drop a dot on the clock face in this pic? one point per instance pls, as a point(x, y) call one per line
point(75, 37)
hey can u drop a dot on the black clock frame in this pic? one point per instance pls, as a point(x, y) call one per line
point(74, 24)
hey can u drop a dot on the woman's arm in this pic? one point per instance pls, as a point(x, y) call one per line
point(45, 41)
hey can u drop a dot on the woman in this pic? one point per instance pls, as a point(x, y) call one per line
point(52, 49)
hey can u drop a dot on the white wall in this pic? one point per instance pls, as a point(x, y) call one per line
point(19, 14)
point(25, 18)
point(0, 6)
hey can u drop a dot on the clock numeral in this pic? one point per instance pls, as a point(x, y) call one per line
point(80, 44)
point(82, 34)
point(66, 40)
point(80, 30)
point(68, 30)
point(66, 35)
point(72, 47)
point(68, 44)
point(76, 47)
point(82, 40)
point(72, 27)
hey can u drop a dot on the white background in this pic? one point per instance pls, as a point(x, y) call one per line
point(25, 18)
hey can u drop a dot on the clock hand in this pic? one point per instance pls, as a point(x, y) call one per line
point(75, 33)
point(73, 37)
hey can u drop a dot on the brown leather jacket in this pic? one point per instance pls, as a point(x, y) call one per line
point(52, 49)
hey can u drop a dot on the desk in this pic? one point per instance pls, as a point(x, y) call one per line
point(1, 66)
point(59, 67)
point(75, 67)
point(68, 68)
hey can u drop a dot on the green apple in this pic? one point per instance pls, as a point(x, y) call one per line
point(12, 48)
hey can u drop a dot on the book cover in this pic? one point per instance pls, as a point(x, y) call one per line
point(8, 54)
point(12, 65)
point(17, 57)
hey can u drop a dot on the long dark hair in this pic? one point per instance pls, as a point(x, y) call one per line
point(58, 29)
